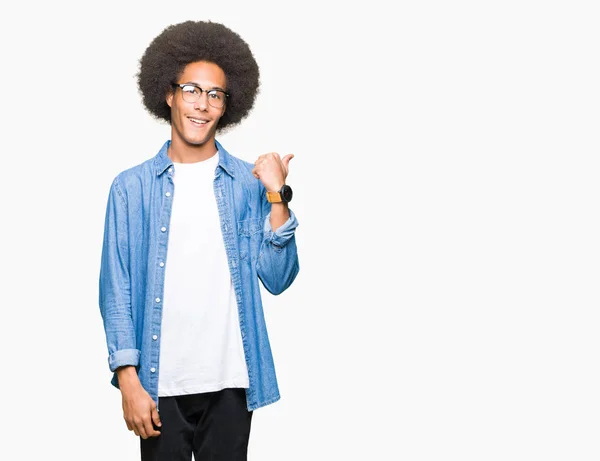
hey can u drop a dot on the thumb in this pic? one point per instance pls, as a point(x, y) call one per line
point(156, 417)
point(286, 159)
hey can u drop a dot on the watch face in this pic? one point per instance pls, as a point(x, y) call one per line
point(286, 193)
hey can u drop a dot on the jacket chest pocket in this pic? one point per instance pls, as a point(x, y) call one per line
point(250, 233)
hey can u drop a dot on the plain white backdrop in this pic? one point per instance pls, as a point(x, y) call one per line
point(446, 183)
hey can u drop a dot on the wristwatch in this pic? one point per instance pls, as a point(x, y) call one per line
point(283, 195)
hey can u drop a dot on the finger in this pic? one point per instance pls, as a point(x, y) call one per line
point(156, 417)
point(149, 428)
point(286, 159)
point(140, 430)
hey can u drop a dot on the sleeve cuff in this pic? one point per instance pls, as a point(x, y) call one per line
point(284, 233)
point(123, 357)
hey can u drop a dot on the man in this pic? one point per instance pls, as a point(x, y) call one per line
point(188, 235)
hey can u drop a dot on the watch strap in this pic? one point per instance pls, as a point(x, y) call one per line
point(273, 197)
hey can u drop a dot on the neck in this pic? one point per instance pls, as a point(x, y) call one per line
point(181, 152)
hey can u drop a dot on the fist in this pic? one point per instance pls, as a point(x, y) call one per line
point(272, 170)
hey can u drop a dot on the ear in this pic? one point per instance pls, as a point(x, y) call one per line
point(169, 98)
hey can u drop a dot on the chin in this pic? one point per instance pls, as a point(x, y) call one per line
point(198, 142)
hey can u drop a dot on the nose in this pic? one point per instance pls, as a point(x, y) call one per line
point(202, 102)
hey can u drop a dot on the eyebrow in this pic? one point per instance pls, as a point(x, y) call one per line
point(213, 88)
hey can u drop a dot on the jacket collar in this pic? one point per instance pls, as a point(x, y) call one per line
point(162, 161)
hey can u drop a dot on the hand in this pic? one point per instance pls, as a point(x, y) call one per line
point(139, 411)
point(272, 170)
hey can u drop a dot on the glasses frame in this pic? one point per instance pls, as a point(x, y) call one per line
point(181, 85)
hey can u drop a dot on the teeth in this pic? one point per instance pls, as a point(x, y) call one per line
point(197, 121)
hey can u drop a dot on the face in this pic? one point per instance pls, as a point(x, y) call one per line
point(195, 123)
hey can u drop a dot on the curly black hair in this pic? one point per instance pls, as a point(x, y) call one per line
point(181, 44)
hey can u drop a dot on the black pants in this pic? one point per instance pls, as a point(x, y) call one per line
point(214, 426)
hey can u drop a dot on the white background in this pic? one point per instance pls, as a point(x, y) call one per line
point(446, 183)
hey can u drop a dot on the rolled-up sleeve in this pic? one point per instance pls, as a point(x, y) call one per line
point(114, 284)
point(284, 233)
point(277, 264)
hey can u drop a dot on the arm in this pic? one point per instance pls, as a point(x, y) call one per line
point(114, 289)
point(115, 307)
point(277, 264)
point(280, 213)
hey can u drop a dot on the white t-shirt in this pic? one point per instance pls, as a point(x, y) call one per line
point(201, 345)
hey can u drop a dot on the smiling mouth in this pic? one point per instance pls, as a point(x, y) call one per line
point(197, 121)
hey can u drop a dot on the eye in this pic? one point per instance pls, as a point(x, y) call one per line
point(189, 89)
point(214, 94)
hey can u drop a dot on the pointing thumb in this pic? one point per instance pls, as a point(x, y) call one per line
point(286, 159)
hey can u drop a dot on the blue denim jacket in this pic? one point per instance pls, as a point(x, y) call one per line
point(134, 261)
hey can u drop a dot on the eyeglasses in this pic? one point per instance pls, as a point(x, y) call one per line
point(191, 93)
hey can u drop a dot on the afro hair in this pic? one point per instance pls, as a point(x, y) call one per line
point(181, 44)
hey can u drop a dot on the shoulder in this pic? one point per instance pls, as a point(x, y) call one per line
point(146, 170)
point(137, 172)
point(136, 177)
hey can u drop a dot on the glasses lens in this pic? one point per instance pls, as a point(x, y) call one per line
point(216, 98)
point(190, 93)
